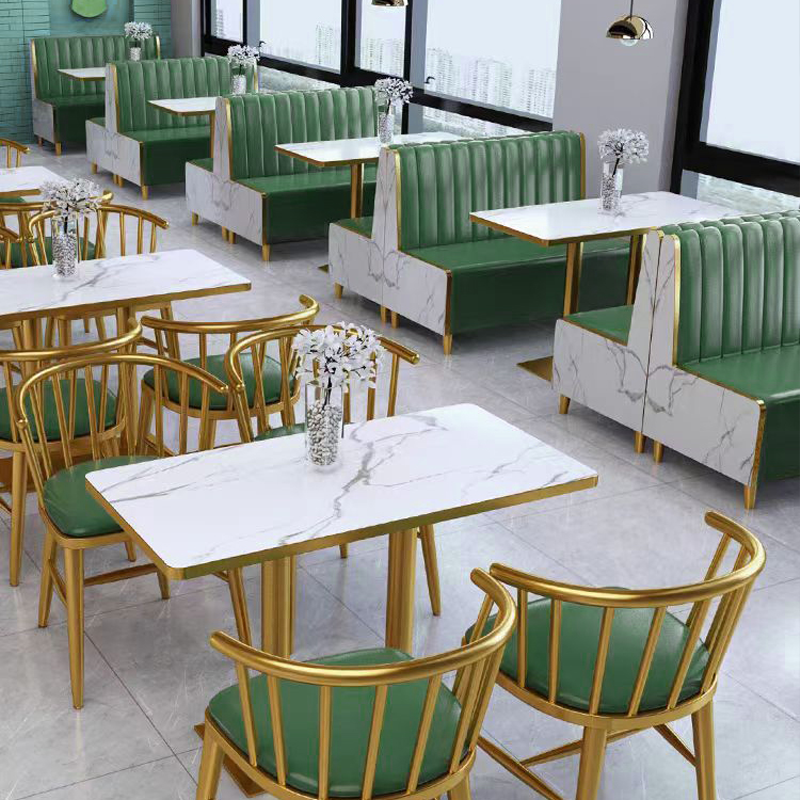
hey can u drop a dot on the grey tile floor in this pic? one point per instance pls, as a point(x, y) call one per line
point(150, 671)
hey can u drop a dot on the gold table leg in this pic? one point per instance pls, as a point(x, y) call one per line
point(400, 590)
point(356, 190)
point(634, 266)
point(277, 606)
point(543, 367)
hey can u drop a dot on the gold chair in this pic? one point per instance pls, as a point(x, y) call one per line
point(361, 724)
point(617, 662)
point(25, 361)
point(263, 383)
point(74, 521)
point(253, 350)
point(15, 214)
point(14, 152)
point(8, 239)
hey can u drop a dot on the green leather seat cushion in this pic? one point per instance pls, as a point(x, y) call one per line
point(350, 728)
point(52, 430)
point(360, 225)
point(302, 205)
point(204, 163)
point(580, 633)
point(772, 375)
point(70, 115)
point(165, 151)
point(613, 323)
point(216, 366)
point(74, 511)
point(283, 430)
point(16, 253)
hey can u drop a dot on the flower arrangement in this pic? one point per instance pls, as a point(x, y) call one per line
point(74, 199)
point(394, 90)
point(138, 32)
point(240, 57)
point(623, 146)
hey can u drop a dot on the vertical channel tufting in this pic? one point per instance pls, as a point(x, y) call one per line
point(773, 283)
point(690, 297)
point(753, 241)
point(791, 280)
point(711, 293)
point(733, 287)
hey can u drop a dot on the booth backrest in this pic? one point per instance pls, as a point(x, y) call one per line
point(259, 122)
point(441, 183)
point(71, 52)
point(139, 82)
point(739, 286)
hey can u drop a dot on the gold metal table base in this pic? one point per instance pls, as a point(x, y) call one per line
point(247, 787)
point(541, 367)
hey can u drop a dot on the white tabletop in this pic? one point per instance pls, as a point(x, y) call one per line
point(85, 73)
point(354, 151)
point(24, 180)
point(186, 106)
point(251, 502)
point(578, 220)
point(114, 282)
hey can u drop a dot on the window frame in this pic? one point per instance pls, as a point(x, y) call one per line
point(351, 75)
point(691, 153)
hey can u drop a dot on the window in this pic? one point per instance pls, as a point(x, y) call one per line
point(487, 59)
point(747, 199)
point(435, 119)
point(305, 31)
point(227, 19)
point(381, 34)
point(275, 80)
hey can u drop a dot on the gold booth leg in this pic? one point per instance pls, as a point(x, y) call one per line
point(447, 343)
point(94, 169)
point(395, 319)
point(703, 731)
point(265, 252)
point(210, 767)
point(384, 313)
point(337, 290)
point(224, 232)
point(639, 441)
point(593, 751)
point(277, 606)
point(658, 452)
point(19, 491)
point(563, 404)
point(58, 148)
point(400, 590)
point(195, 218)
point(428, 542)
point(39, 141)
point(145, 192)
point(750, 496)
point(231, 237)
point(344, 550)
point(73, 569)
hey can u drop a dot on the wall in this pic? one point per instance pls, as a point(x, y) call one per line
point(602, 84)
point(65, 22)
point(186, 27)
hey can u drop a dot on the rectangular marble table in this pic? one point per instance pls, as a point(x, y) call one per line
point(85, 73)
point(354, 153)
point(19, 181)
point(190, 107)
point(263, 503)
point(576, 221)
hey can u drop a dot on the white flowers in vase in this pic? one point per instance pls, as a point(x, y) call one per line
point(76, 198)
point(395, 91)
point(138, 32)
point(617, 148)
point(240, 57)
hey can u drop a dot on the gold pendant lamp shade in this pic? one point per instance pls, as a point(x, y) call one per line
point(390, 3)
point(630, 29)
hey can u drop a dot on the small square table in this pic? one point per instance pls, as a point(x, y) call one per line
point(85, 73)
point(190, 107)
point(354, 153)
point(574, 222)
point(19, 181)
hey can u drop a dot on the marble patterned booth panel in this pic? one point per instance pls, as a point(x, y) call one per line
point(110, 98)
point(384, 227)
point(228, 203)
point(43, 120)
point(702, 420)
point(355, 262)
point(114, 152)
point(416, 290)
point(222, 163)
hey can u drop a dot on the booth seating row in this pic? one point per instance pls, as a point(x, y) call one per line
point(422, 258)
point(143, 144)
point(61, 105)
point(707, 360)
point(253, 191)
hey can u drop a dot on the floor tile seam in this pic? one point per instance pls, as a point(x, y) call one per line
point(764, 788)
point(729, 676)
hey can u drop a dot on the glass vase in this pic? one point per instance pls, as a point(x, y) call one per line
point(135, 53)
point(385, 122)
point(324, 423)
point(65, 247)
point(238, 84)
point(611, 188)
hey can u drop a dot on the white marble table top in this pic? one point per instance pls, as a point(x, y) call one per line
point(186, 106)
point(354, 151)
point(24, 180)
point(114, 282)
point(578, 220)
point(85, 73)
point(251, 502)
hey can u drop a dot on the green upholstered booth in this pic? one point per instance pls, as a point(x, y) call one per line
point(292, 199)
point(62, 104)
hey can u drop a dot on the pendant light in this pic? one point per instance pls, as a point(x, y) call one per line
point(390, 3)
point(629, 30)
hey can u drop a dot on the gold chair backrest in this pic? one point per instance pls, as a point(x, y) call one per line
point(731, 590)
point(475, 666)
point(16, 217)
point(116, 370)
point(257, 344)
point(13, 152)
point(128, 220)
point(16, 364)
point(8, 238)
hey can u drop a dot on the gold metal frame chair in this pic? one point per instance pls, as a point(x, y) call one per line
point(14, 364)
point(257, 346)
point(21, 213)
point(104, 441)
point(475, 666)
point(730, 591)
point(7, 239)
point(167, 333)
point(13, 148)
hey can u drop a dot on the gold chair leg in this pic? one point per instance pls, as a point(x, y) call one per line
point(163, 585)
point(428, 541)
point(337, 290)
point(395, 317)
point(46, 586)
point(703, 732)
point(593, 752)
point(639, 441)
point(195, 219)
point(210, 767)
point(447, 343)
point(265, 252)
point(19, 491)
point(344, 550)
point(563, 404)
point(239, 602)
point(73, 573)
point(130, 550)
point(658, 452)
point(460, 792)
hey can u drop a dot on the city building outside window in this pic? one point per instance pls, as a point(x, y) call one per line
point(303, 31)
